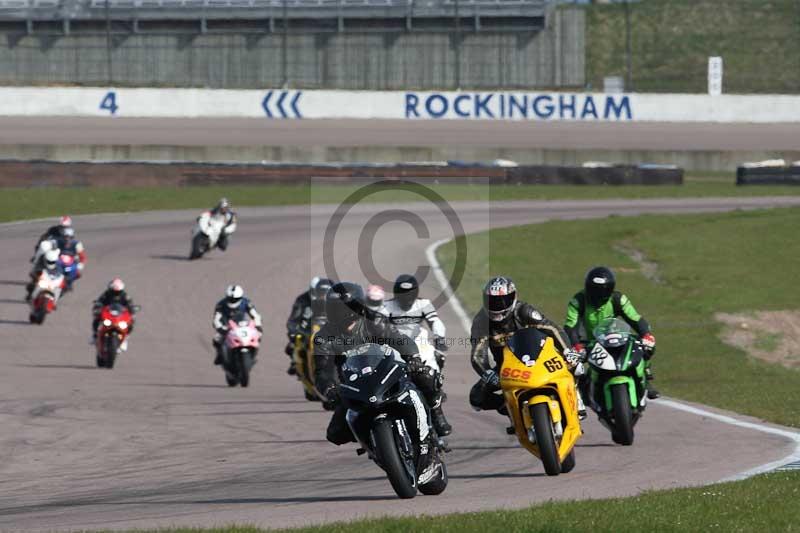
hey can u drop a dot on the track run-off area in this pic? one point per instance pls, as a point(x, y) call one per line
point(160, 440)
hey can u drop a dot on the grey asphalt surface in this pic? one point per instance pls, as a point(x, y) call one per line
point(160, 440)
point(341, 133)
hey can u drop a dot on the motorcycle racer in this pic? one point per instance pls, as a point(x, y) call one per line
point(406, 312)
point(347, 328)
point(308, 305)
point(501, 315)
point(53, 233)
point(69, 245)
point(233, 301)
point(222, 214)
point(45, 249)
point(114, 294)
point(374, 307)
point(597, 301)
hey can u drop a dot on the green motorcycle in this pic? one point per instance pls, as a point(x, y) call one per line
point(617, 388)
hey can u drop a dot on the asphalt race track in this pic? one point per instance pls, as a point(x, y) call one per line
point(160, 440)
point(345, 133)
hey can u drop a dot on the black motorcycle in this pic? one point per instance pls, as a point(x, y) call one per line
point(389, 418)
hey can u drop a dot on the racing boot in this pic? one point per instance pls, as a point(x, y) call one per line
point(652, 392)
point(581, 406)
point(440, 423)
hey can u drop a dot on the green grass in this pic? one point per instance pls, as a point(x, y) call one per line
point(17, 204)
point(762, 503)
point(758, 40)
point(733, 262)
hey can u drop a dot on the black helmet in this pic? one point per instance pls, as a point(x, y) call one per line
point(406, 291)
point(499, 298)
point(599, 285)
point(344, 304)
point(319, 289)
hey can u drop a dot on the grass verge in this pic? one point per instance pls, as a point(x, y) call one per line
point(671, 41)
point(761, 503)
point(732, 262)
point(18, 204)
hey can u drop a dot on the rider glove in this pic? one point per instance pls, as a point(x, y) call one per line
point(490, 377)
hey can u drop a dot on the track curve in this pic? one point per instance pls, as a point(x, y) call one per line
point(161, 441)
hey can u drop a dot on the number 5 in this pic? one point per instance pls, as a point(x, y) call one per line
point(109, 102)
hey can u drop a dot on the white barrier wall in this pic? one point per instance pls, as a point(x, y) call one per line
point(296, 104)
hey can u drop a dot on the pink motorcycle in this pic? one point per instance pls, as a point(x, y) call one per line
point(240, 349)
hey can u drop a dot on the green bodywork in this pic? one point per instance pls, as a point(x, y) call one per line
point(625, 380)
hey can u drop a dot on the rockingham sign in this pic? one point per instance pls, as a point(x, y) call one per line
point(518, 106)
point(298, 104)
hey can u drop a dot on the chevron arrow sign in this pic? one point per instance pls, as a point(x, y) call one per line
point(282, 104)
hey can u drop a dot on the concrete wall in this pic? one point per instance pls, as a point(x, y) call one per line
point(690, 161)
point(550, 58)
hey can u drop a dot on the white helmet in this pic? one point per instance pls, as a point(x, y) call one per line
point(50, 259)
point(46, 246)
point(234, 295)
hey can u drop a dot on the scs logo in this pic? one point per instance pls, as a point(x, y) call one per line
point(516, 374)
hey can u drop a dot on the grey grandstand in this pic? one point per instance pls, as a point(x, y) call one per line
point(263, 16)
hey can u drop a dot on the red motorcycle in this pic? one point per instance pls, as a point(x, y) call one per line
point(45, 294)
point(112, 333)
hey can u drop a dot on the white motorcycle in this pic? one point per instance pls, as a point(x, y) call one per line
point(208, 232)
point(45, 295)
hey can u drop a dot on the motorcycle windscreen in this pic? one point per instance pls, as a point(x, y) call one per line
point(527, 344)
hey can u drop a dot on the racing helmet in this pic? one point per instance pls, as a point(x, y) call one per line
point(223, 205)
point(344, 305)
point(69, 233)
point(599, 285)
point(406, 291)
point(47, 245)
point(375, 296)
point(116, 285)
point(51, 259)
point(65, 221)
point(499, 298)
point(233, 296)
point(318, 293)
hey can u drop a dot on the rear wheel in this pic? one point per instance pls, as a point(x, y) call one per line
point(623, 420)
point(232, 381)
point(543, 426)
point(403, 482)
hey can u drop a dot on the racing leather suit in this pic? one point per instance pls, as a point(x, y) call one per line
point(487, 339)
point(409, 322)
point(299, 320)
point(331, 343)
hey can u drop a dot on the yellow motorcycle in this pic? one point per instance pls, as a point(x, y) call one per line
point(541, 399)
point(303, 357)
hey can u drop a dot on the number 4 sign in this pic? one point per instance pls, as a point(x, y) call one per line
point(109, 102)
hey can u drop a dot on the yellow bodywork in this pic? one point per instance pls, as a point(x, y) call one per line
point(555, 386)
point(303, 357)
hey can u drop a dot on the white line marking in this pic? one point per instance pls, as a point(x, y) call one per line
point(785, 432)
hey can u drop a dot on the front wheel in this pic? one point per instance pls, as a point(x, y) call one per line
point(403, 482)
point(437, 484)
point(543, 426)
point(199, 246)
point(245, 362)
point(569, 462)
point(623, 420)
